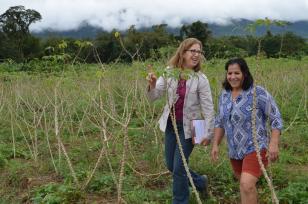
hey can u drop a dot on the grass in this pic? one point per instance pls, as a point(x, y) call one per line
point(93, 105)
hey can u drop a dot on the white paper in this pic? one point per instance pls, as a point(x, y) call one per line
point(200, 130)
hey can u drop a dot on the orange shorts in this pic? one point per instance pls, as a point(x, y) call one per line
point(249, 164)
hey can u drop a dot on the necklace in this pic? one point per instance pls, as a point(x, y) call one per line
point(235, 95)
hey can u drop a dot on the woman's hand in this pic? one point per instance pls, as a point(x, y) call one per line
point(214, 152)
point(273, 151)
point(206, 142)
point(152, 80)
point(273, 148)
point(151, 77)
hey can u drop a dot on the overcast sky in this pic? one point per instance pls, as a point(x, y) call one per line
point(120, 14)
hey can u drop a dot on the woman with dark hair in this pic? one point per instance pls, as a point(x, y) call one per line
point(247, 79)
point(190, 99)
point(234, 119)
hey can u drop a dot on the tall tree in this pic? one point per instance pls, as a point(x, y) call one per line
point(197, 30)
point(15, 23)
point(268, 23)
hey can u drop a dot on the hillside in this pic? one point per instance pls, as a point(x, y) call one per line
point(237, 27)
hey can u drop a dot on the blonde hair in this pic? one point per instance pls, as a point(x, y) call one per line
point(177, 59)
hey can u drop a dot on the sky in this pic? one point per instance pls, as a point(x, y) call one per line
point(121, 14)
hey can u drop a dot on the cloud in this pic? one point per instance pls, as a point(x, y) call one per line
point(120, 14)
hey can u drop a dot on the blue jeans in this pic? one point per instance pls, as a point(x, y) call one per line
point(175, 165)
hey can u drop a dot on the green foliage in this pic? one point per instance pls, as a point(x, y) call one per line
point(271, 45)
point(108, 48)
point(165, 53)
point(56, 59)
point(293, 45)
point(81, 89)
point(176, 73)
point(3, 161)
point(17, 20)
point(83, 45)
point(224, 48)
point(6, 152)
point(268, 23)
point(15, 23)
point(67, 50)
point(197, 30)
point(103, 184)
point(56, 194)
point(143, 45)
point(8, 50)
point(295, 192)
point(32, 47)
point(285, 45)
point(140, 195)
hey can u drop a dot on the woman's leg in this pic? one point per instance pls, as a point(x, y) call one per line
point(248, 188)
point(200, 181)
point(175, 164)
point(237, 168)
point(250, 174)
point(170, 144)
point(247, 182)
point(180, 179)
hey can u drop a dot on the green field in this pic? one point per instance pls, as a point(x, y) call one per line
point(89, 135)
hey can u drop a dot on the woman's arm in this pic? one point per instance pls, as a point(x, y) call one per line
point(274, 116)
point(155, 91)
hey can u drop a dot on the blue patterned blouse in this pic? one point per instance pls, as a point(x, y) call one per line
point(235, 119)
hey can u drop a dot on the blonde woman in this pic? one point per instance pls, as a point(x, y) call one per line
point(191, 99)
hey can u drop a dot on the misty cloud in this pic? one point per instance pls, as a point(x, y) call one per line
point(120, 14)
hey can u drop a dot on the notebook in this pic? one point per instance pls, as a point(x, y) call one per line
point(199, 131)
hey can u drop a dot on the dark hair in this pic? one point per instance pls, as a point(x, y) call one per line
point(248, 80)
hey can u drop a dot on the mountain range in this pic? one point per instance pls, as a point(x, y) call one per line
point(236, 27)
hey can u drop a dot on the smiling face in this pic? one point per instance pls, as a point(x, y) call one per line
point(235, 76)
point(192, 56)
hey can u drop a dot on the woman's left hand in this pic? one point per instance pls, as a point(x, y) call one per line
point(273, 151)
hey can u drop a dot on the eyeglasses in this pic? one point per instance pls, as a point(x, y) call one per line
point(194, 52)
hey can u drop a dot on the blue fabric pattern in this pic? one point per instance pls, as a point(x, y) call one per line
point(235, 119)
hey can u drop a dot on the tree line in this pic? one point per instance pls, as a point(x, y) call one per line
point(19, 45)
